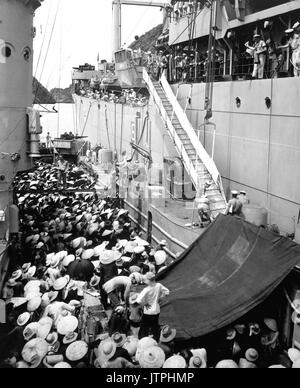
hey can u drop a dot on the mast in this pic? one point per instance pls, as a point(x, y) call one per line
point(211, 60)
point(117, 25)
point(117, 17)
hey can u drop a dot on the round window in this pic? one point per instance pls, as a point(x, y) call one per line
point(26, 53)
point(6, 51)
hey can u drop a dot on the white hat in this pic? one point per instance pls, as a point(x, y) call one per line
point(144, 343)
point(106, 349)
point(160, 257)
point(131, 345)
point(294, 354)
point(36, 350)
point(62, 365)
point(54, 261)
point(251, 355)
point(40, 245)
point(49, 258)
point(52, 338)
point(175, 362)
point(30, 330)
point(44, 328)
point(153, 357)
point(68, 260)
point(88, 254)
point(17, 274)
point(67, 325)
point(25, 267)
point(61, 283)
point(139, 250)
point(31, 272)
point(108, 257)
point(23, 319)
point(227, 364)
point(70, 337)
point(296, 25)
point(34, 303)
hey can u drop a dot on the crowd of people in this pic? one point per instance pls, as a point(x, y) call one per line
point(126, 97)
point(262, 57)
point(81, 290)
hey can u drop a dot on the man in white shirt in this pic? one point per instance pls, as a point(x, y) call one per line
point(63, 166)
point(149, 298)
point(259, 51)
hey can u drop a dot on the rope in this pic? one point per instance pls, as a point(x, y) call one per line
point(87, 117)
point(107, 129)
point(121, 137)
point(291, 302)
point(182, 32)
point(51, 35)
point(42, 46)
point(12, 131)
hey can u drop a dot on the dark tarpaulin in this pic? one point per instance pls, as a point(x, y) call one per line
point(229, 270)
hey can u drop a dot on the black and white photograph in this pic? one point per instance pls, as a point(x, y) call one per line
point(149, 187)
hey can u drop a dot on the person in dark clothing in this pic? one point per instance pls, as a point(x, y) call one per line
point(106, 272)
point(118, 322)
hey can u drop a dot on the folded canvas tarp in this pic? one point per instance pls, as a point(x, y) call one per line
point(229, 270)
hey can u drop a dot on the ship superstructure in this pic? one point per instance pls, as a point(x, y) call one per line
point(212, 124)
point(19, 123)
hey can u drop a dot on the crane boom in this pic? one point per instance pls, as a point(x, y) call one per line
point(117, 16)
point(145, 3)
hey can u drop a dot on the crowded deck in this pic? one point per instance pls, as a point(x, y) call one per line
point(76, 290)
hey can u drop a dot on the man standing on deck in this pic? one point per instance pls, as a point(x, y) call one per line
point(62, 170)
point(204, 212)
point(259, 51)
point(235, 206)
point(48, 140)
point(149, 298)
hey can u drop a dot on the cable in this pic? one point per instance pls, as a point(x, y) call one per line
point(41, 49)
point(183, 31)
point(51, 35)
point(107, 129)
point(138, 23)
point(87, 117)
point(12, 131)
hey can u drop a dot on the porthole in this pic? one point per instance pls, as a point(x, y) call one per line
point(27, 53)
point(6, 51)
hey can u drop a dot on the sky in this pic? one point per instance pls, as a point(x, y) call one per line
point(72, 32)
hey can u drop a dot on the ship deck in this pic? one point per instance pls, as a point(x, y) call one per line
point(180, 210)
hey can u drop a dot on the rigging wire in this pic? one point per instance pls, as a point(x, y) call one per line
point(187, 27)
point(43, 42)
point(87, 117)
point(138, 23)
point(47, 52)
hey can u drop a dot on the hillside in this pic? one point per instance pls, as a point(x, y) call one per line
point(147, 41)
point(40, 94)
point(63, 96)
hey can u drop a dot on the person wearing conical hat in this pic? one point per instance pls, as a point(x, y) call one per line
point(204, 212)
point(62, 166)
point(294, 43)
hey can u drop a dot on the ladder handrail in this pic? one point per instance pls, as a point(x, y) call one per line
point(187, 126)
point(187, 162)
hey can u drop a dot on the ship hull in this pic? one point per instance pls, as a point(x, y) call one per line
point(257, 147)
